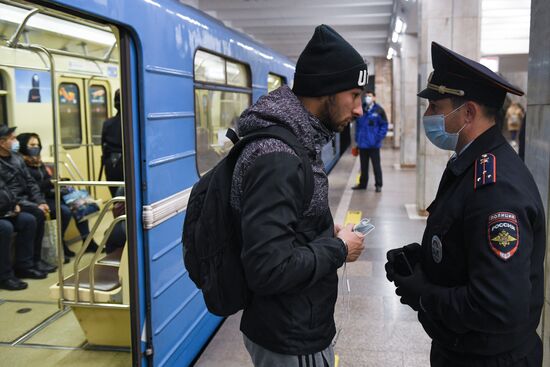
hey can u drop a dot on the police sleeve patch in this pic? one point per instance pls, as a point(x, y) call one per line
point(503, 232)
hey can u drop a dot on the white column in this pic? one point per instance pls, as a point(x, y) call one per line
point(396, 93)
point(409, 89)
point(455, 24)
point(537, 134)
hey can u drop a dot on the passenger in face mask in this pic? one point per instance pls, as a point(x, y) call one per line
point(477, 280)
point(30, 149)
point(27, 196)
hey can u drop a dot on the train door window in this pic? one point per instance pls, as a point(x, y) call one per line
point(274, 81)
point(69, 114)
point(98, 113)
point(217, 107)
point(3, 105)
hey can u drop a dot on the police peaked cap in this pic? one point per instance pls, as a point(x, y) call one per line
point(328, 65)
point(455, 75)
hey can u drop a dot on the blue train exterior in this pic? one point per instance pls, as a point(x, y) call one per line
point(158, 42)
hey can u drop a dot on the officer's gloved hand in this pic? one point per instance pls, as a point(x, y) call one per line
point(410, 288)
point(412, 252)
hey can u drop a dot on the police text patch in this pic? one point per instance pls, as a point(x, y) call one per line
point(503, 232)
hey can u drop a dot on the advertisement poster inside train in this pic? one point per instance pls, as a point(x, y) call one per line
point(33, 86)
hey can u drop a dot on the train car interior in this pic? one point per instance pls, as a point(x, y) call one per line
point(58, 78)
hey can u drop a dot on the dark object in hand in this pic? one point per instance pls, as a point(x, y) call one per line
point(401, 264)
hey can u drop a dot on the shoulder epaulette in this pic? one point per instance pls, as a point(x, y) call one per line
point(485, 170)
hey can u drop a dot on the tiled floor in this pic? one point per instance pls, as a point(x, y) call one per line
point(378, 331)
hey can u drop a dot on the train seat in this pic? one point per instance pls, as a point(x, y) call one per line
point(110, 273)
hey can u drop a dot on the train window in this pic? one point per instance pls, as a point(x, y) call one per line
point(3, 97)
point(274, 82)
point(216, 112)
point(215, 109)
point(69, 115)
point(237, 74)
point(209, 68)
point(98, 106)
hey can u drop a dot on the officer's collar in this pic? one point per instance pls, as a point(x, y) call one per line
point(485, 143)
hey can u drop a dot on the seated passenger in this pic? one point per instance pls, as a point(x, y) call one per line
point(12, 219)
point(25, 190)
point(30, 148)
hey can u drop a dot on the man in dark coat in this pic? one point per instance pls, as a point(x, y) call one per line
point(291, 250)
point(11, 220)
point(24, 189)
point(477, 280)
point(111, 146)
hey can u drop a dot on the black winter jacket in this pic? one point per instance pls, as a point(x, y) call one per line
point(289, 252)
point(7, 200)
point(14, 173)
point(43, 180)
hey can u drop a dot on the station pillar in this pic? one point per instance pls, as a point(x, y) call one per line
point(409, 100)
point(537, 134)
point(456, 25)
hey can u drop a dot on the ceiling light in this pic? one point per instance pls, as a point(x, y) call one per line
point(395, 37)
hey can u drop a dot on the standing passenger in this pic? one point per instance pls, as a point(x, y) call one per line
point(478, 284)
point(111, 146)
point(370, 131)
point(291, 250)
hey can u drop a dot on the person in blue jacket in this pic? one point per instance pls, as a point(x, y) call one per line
point(371, 129)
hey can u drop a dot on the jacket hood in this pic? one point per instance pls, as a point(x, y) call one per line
point(282, 107)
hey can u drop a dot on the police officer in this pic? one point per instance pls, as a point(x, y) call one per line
point(477, 280)
point(111, 146)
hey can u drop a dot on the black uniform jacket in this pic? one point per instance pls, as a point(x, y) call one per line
point(19, 181)
point(290, 260)
point(483, 250)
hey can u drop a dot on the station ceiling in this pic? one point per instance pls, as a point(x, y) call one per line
point(287, 25)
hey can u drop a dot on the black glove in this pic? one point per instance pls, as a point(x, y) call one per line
point(411, 251)
point(410, 288)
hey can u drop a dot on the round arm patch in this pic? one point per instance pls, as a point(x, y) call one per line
point(503, 232)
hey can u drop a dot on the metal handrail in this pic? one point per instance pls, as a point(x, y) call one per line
point(14, 39)
point(108, 204)
point(96, 255)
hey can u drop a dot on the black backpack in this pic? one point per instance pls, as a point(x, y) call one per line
point(211, 235)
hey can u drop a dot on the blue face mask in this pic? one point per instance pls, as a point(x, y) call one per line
point(15, 146)
point(434, 126)
point(34, 151)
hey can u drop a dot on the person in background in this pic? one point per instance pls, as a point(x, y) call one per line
point(11, 220)
point(30, 148)
point(111, 146)
point(27, 194)
point(371, 129)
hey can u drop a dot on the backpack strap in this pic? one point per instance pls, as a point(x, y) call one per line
point(287, 137)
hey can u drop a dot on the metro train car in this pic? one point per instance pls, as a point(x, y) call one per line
point(184, 79)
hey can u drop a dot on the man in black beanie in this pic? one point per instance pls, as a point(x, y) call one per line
point(291, 248)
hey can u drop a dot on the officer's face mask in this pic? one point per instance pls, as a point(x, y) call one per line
point(434, 126)
point(15, 146)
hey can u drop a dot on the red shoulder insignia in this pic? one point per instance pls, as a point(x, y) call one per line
point(485, 170)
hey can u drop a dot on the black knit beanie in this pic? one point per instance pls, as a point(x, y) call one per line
point(328, 65)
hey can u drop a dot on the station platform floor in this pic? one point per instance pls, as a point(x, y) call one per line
point(376, 329)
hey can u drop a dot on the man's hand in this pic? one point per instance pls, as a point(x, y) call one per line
point(412, 251)
point(337, 229)
point(410, 288)
point(353, 240)
point(44, 207)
